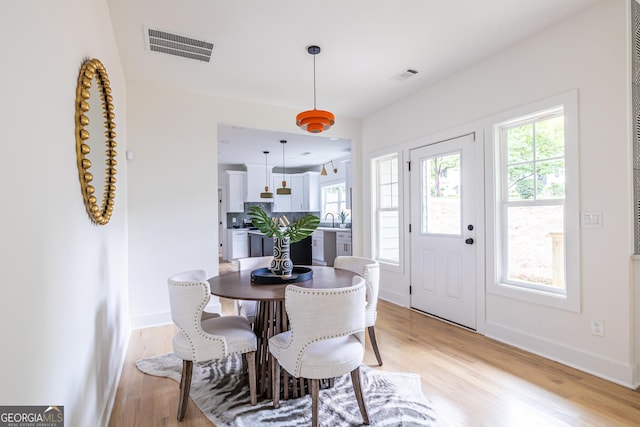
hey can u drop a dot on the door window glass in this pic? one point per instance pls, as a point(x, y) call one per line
point(441, 198)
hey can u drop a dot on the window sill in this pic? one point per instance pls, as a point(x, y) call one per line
point(534, 296)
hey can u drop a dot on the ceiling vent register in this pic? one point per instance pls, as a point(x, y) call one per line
point(404, 75)
point(173, 44)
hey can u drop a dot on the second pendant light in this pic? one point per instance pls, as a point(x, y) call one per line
point(283, 190)
point(266, 194)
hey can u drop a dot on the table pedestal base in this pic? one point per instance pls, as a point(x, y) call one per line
point(271, 319)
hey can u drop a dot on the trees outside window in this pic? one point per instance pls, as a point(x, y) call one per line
point(533, 201)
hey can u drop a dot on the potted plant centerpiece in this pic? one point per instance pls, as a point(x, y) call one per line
point(283, 233)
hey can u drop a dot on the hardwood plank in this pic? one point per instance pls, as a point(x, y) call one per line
point(470, 380)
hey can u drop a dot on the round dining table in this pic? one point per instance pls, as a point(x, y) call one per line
point(271, 317)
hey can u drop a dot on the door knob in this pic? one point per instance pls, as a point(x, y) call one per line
point(469, 241)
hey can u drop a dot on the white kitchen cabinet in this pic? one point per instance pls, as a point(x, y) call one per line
point(237, 244)
point(317, 248)
point(305, 193)
point(257, 177)
point(297, 193)
point(311, 201)
point(281, 203)
point(343, 243)
point(236, 189)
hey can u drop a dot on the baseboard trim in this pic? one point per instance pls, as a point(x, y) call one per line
point(158, 319)
point(394, 297)
point(149, 320)
point(593, 364)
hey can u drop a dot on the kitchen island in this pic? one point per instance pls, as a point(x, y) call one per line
point(261, 245)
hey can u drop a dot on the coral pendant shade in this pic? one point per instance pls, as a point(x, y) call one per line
point(315, 121)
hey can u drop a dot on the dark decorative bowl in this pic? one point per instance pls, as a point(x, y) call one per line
point(266, 277)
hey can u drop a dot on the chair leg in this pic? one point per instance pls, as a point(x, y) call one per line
point(357, 389)
point(315, 389)
point(244, 362)
point(185, 387)
point(374, 343)
point(275, 380)
point(251, 361)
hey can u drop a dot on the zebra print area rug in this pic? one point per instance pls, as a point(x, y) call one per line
point(220, 390)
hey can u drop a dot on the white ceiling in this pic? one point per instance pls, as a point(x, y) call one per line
point(239, 145)
point(260, 46)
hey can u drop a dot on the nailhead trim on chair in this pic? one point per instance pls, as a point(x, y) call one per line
point(307, 291)
point(198, 326)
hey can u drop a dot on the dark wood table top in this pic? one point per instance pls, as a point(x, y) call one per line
point(237, 285)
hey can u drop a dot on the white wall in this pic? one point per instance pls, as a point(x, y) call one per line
point(173, 184)
point(587, 52)
point(63, 299)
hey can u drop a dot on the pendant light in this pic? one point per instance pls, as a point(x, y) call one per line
point(267, 194)
point(284, 190)
point(315, 121)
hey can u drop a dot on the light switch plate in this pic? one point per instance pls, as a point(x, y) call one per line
point(591, 219)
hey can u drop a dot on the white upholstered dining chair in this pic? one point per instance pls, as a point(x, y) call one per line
point(248, 308)
point(201, 339)
point(370, 270)
point(325, 340)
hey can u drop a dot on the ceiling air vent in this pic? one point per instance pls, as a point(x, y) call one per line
point(404, 75)
point(173, 44)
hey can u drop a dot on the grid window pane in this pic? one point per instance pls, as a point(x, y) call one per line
point(520, 185)
point(520, 144)
point(550, 138)
point(387, 238)
point(533, 206)
point(550, 179)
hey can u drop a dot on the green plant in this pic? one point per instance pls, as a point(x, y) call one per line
point(343, 216)
point(280, 227)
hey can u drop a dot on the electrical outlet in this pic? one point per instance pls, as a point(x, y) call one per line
point(597, 327)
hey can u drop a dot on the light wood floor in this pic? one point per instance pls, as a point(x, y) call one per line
point(469, 379)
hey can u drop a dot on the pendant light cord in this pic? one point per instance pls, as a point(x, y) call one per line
point(314, 82)
point(283, 168)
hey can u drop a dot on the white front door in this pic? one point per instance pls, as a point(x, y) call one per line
point(444, 177)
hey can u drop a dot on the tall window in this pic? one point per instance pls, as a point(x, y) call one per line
point(532, 201)
point(334, 201)
point(387, 220)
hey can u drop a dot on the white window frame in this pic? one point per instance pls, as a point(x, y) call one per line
point(342, 201)
point(570, 298)
point(376, 210)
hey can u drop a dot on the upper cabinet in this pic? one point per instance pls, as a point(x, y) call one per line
point(305, 193)
point(246, 187)
point(257, 177)
point(312, 186)
point(236, 190)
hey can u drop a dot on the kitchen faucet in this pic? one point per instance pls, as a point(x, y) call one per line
point(333, 219)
